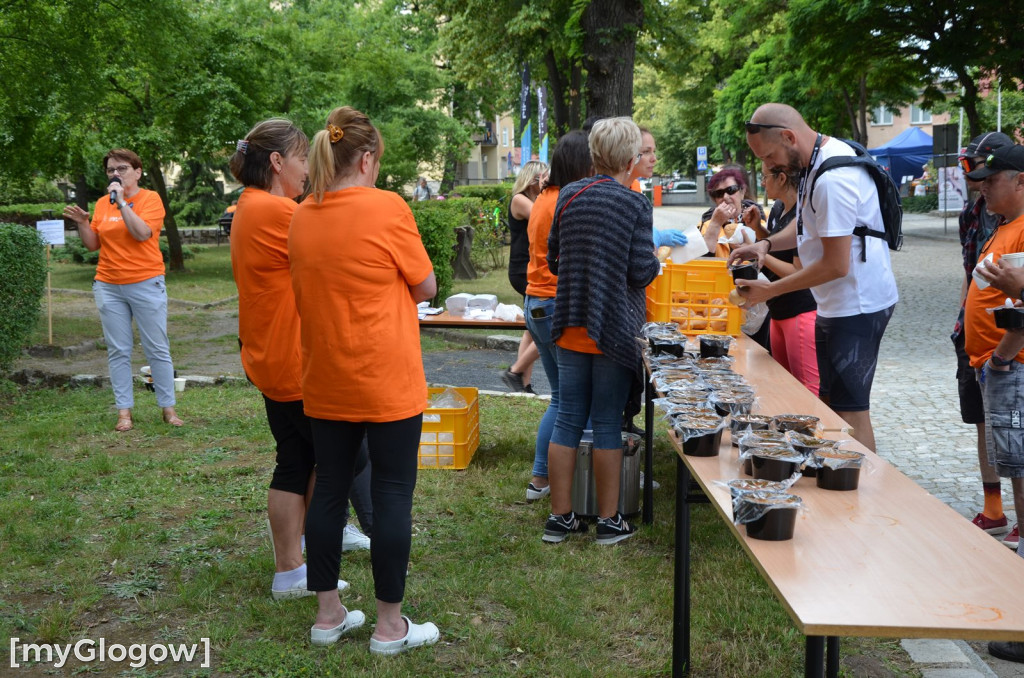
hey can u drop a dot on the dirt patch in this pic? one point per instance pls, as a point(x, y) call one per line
point(204, 342)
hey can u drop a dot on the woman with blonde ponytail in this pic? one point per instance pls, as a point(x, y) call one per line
point(358, 270)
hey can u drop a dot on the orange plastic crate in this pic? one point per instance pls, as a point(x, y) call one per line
point(695, 295)
point(450, 435)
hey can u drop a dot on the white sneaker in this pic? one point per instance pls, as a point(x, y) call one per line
point(299, 590)
point(352, 539)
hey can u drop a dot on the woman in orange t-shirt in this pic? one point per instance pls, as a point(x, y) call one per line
point(569, 162)
point(271, 163)
point(130, 281)
point(358, 270)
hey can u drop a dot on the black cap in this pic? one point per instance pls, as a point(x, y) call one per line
point(1004, 158)
point(983, 144)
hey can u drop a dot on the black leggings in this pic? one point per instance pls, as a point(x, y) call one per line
point(393, 447)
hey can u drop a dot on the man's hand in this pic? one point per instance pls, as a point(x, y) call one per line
point(1007, 279)
point(754, 291)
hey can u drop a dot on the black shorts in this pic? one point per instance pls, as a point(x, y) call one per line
point(847, 356)
point(972, 411)
point(294, 437)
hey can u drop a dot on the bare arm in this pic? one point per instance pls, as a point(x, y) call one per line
point(81, 219)
point(834, 263)
point(138, 228)
point(783, 240)
point(521, 206)
point(425, 290)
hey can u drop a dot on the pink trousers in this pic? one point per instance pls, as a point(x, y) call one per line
point(793, 347)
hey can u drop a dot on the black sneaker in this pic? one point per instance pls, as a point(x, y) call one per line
point(529, 389)
point(559, 527)
point(514, 380)
point(613, 530)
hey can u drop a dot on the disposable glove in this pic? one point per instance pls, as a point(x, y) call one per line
point(671, 237)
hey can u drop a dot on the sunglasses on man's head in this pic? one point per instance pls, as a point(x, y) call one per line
point(755, 127)
point(722, 192)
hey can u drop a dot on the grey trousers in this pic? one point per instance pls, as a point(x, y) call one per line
point(146, 303)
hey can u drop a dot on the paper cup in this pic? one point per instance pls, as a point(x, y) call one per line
point(1014, 259)
point(179, 384)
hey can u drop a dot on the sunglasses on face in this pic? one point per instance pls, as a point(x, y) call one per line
point(970, 164)
point(720, 193)
point(756, 127)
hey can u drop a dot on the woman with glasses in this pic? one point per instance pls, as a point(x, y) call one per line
point(792, 314)
point(528, 185)
point(731, 210)
point(129, 281)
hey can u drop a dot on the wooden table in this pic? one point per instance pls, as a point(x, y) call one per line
point(886, 560)
point(446, 320)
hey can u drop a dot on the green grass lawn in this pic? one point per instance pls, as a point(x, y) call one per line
point(159, 535)
point(207, 277)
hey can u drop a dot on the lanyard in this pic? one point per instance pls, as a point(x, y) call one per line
point(803, 186)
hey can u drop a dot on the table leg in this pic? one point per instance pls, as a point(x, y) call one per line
point(814, 657)
point(832, 657)
point(681, 589)
point(648, 515)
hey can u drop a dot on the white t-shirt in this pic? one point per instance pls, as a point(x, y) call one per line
point(843, 199)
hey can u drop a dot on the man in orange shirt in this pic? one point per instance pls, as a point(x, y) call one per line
point(995, 353)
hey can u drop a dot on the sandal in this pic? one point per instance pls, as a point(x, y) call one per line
point(173, 419)
point(124, 423)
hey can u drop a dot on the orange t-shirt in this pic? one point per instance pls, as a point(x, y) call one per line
point(577, 339)
point(981, 336)
point(123, 259)
point(268, 322)
point(353, 258)
point(540, 281)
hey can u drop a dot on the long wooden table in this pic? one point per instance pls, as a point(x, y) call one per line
point(446, 320)
point(886, 560)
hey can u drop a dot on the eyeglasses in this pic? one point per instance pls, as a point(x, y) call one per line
point(120, 169)
point(970, 164)
point(756, 127)
point(720, 193)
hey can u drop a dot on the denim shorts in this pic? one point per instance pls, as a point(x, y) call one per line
point(590, 385)
point(847, 356)
point(1003, 395)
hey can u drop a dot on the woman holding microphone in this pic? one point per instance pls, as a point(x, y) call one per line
point(358, 270)
point(129, 282)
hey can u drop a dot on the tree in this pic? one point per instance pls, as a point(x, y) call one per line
point(610, 29)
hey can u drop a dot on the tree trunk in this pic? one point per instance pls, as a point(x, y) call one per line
point(451, 165)
point(176, 259)
point(969, 100)
point(610, 28)
point(861, 136)
point(558, 96)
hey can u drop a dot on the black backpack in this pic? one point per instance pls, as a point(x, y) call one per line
point(888, 195)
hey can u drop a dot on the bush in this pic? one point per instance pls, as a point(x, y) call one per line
point(22, 283)
point(921, 203)
point(28, 214)
point(34, 189)
point(499, 193)
point(437, 221)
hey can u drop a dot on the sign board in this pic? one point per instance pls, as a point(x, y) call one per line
point(702, 154)
point(945, 144)
point(52, 231)
point(702, 165)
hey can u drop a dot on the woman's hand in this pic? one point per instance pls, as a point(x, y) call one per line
point(724, 213)
point(77, 215)
point(752, 217)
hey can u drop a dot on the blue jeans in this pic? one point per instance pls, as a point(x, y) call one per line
point(540, 330)
point(595, 386)
point(146, 302)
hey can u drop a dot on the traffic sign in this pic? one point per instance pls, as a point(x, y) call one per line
point(702, 165)
point(702, 154)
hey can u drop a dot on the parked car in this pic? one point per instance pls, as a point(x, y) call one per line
point(682, 186)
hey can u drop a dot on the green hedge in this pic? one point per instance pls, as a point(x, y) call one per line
point(921, 203)
point(437, 221)
point(499, 193)
point(29, 213)
point(22, 283)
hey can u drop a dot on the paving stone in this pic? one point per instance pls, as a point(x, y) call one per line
point(930, 651)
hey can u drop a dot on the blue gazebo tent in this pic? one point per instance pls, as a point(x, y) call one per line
point(905, 155)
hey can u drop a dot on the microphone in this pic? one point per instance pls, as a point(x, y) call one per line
point(113, 194)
